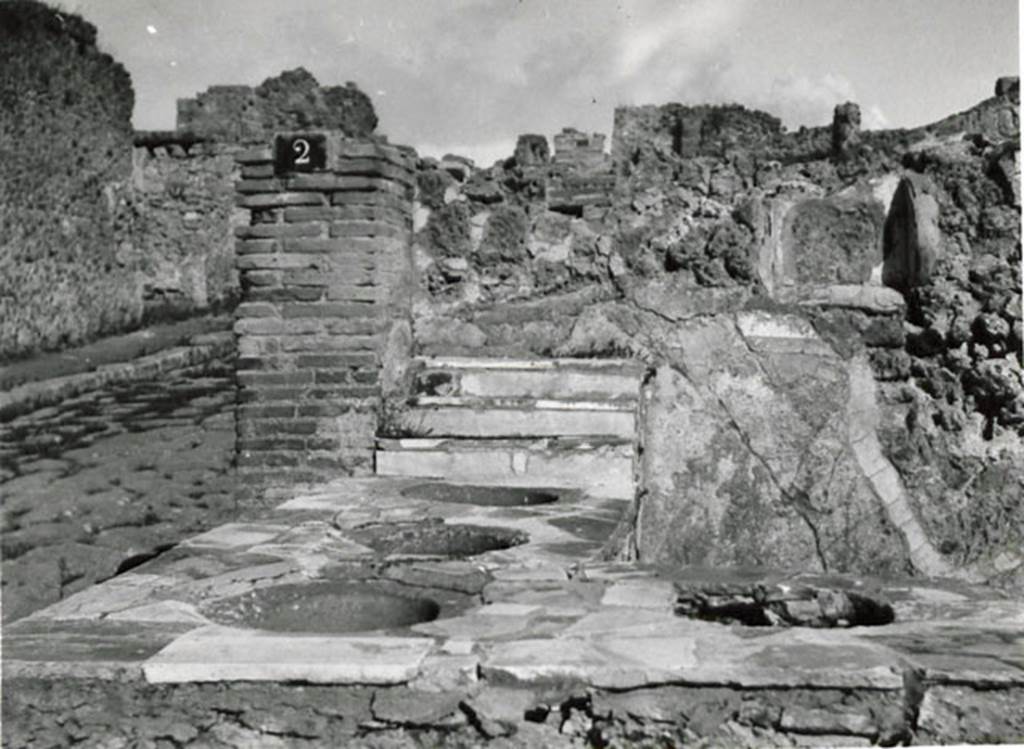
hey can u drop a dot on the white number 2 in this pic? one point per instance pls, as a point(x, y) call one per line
point(301, 148)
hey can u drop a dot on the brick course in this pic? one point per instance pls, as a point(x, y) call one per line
point(321, 262)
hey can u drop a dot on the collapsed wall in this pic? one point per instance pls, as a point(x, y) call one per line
point(293, 100)
point(65, 144)
point(831, 318)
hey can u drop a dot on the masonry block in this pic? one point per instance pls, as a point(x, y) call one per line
point(308, 213)
point(252, 186)
point(310, 344)
point(304, 294)
point(355, 359)
point(365, 229)
point(259, 155)
point(281, 199)
point(328, 309)
point(256, 309)
point(262, 361)
point(352, 275)
point(349, 212)
point(383, 199)
point(251, 246)
point(265, 261)
point(276, 231)
point(257, 171)
point(253, 277)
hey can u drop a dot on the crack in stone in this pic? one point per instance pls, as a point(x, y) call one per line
point(632, 300)
point(800, 504)
point(799, 501)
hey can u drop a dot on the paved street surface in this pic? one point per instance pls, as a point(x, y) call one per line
point(99, 483)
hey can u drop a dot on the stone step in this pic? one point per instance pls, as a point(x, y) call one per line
point(554, 379)
point(601, 467)
point(454, 416)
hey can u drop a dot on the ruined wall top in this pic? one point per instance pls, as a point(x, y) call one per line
point(996, 118)
point(574, 148)
point(688, 131)
point(291, 101)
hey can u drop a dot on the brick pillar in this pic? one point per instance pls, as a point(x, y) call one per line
point(324, 267)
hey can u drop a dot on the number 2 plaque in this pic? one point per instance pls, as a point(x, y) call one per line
point(299, 153)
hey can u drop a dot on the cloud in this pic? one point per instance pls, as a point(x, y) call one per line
point(670, 46)
point(873, 118)
point(800, 100)
point(482, 154)
point(471, 73)
point(810, 101)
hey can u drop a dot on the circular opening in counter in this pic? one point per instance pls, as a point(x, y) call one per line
point(487, 496)
point(436, 539)
point(322, 608)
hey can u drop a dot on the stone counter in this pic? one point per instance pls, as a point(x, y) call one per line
point(550, 647)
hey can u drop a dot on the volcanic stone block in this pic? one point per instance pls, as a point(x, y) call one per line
point(912, 243)
point(833, 240)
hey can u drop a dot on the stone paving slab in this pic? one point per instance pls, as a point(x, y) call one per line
point(950, 652)
point(118, 594)
point(225, 654)
point(94, 649)
point(640, 594)
point(232, 535)
point(703, 656)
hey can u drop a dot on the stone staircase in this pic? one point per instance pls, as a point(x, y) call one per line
point(520, 422)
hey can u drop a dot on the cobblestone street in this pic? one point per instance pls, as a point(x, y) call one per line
point(106, 480)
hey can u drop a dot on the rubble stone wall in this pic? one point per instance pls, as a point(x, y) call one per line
point(65, 146)
point(130, 712)
point(896, 252)
point(177, 223)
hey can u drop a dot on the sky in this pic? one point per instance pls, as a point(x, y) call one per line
point(468, 76)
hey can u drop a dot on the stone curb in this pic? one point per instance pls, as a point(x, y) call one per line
point(30, 396)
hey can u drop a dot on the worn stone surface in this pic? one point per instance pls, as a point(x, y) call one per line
point(947, 713)
point(244, 655)
point(833, 240)
point(747, 460)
